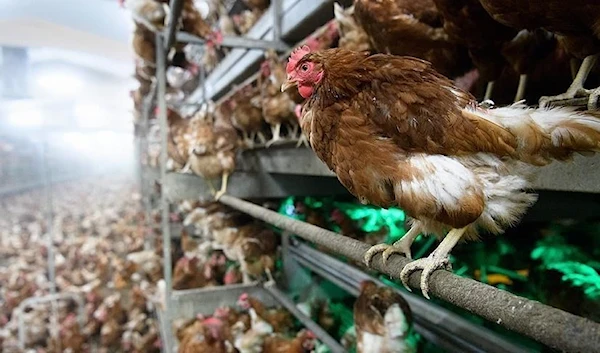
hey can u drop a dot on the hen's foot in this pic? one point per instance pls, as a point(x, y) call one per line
point(593, 99)
point(276, 130)
point(576, 88)
point(248, 140)
point(438, 259)
point(261, 137)
point(223, 189)
point(429, 265)
point(401, 246)
point(572, 92)
point(293, 131)
point(302, 140)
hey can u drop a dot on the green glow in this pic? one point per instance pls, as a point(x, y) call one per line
point(579, 275)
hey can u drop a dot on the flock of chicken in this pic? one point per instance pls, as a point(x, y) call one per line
point(224, 247)
point(100, 258)
point(97, 243)
point(382, 323)
point(480, 45)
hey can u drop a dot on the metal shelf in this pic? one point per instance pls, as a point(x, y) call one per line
point(250, 185)
point(579, 175)
point(240, 64)
point(287, 171)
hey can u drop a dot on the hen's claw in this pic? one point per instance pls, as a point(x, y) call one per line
point(593, 99)
point(576, 88)
point(429, 265)
point(438, 259)
point(401, 246)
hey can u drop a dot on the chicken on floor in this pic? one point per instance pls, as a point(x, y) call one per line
point(398, 133)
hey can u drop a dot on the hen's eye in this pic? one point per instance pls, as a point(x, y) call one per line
point(304, 67)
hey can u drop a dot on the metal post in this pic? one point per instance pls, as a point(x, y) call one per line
point(164, 204)
point(277, 17)
point(146, 186)
point(176, 6)
point(203, 82)
point(47, 181)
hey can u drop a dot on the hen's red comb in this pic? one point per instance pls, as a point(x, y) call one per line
point(296, 56)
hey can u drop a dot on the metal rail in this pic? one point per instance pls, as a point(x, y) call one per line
point(547, 325)
point(254, 76)
point(305, 320)
point(235, 42)
point(444, 328)
point(175, 6)
point(146, 180)
point(164, 204)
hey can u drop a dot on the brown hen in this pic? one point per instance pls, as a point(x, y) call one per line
point(278, 107)
point(247, 115)
point(352, 35)
point(413, 28)
point(280, 319)
point(214, 154)
point(382, 319)
point(575, 23)
point(397, 133)
point(304, 342)
point(144, 44)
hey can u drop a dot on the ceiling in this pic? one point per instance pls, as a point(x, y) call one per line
point(89, 39)
point(97, 27)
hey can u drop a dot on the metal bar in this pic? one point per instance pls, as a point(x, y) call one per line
point(47, 181)
point(277, 8)
point(543, 323)
point(203, 83)
point(234, 42)
point(429, 317)
point(254, 77)
point(164, 204)
point(147, 180)
point(176, 6)
point(305, 320)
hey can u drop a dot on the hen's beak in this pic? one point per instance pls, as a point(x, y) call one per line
point(288, 84)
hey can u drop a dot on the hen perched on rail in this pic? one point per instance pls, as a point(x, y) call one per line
point(397, 133)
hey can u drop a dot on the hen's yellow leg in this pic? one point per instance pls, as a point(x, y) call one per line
point(401, 246)
point(576, 87)
point(221, 192)
point(438, 259)
point(488, 90)
point(276, 130)
point(521, 88)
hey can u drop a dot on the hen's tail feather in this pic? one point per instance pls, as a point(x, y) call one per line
point(549, 134)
